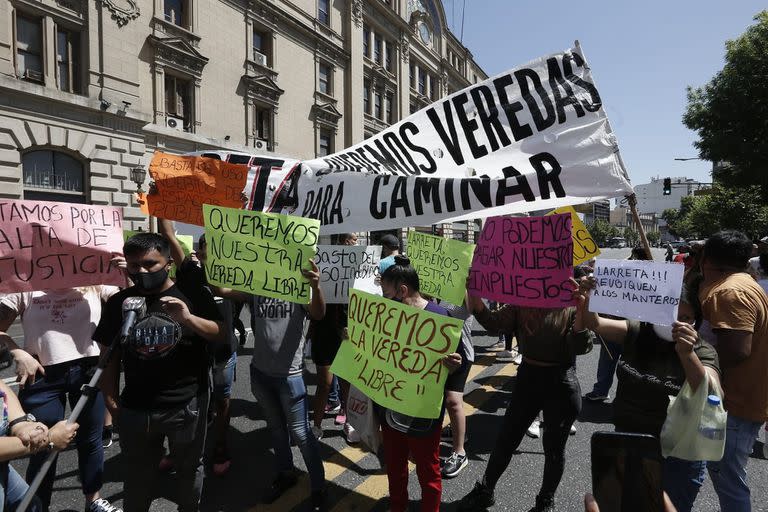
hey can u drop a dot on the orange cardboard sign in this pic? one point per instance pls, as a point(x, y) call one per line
point(183, 184)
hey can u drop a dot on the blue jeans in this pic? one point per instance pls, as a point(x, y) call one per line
point(606, 367)
point(12, 490)
point(45, 399)
point(333, 394)
point(682, 480)
point(223, 377)
point(729, 475)
point(284, 401)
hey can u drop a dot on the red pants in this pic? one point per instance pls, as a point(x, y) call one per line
point(425, 452)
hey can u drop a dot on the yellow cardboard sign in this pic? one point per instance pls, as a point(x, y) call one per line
point(584, 246)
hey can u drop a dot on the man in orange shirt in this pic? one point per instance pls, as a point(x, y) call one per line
point(736, 308)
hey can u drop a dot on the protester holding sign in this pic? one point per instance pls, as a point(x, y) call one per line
point(277, 382)
point(326, 335)
point(58, 359)
point(655, 363)
point(166, 374)
point(404, 435)
point(549, 341)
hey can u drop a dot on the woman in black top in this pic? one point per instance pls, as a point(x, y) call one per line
point(549, 340)
point(655, 363)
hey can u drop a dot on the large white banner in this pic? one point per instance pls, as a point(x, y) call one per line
point(533, 138)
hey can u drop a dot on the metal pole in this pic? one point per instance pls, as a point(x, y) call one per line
point(632, 200)
point(86, 394)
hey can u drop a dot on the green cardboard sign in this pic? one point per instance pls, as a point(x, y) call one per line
point(260, 253)
point(442, 264)
point(394, 354)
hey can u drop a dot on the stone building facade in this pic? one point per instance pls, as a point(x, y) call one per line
point(90, 88)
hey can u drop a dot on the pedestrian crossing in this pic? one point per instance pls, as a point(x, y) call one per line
point(486, 378)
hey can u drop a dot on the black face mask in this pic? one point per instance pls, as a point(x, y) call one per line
point(148, 281)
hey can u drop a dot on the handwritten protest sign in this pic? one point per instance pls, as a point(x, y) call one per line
point(46, 245)
point(184, 183)
point(394, 354)
point(442, 264)
point(343, 267)
point(584, 246)
point(260, 253)
point(525, 261)
point(187, 243)
point(641, 290)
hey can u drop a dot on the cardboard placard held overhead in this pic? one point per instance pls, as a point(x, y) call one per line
point(639, 290)
point(524, 261)
point(394, 354)
point(584, 246)
point(260, 253)
point(46, 245)
point(185, 183)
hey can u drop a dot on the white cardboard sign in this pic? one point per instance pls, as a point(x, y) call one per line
point(648, 291)
point(343, 267)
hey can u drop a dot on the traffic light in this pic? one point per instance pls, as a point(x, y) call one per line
point(667, 187)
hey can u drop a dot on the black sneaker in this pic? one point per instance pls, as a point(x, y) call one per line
point(107, 436)
point(319, 501)
point(454, 464)
point(544, 504)
point(479, 498)
point(102, 505)
point(282, 483)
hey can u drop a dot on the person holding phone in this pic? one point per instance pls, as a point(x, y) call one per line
point(656, 362)
point(549, 340)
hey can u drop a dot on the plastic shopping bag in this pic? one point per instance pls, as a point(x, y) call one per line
point(696, 424)
point(362, 417)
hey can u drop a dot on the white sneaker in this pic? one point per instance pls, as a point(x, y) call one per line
point(518, 359)
point(318, 432)
point(573, 430)
point(351, 434)
point(534, 430)
point(102, 505)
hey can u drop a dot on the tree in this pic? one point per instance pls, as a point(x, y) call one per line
point(601, 231)
point(653, 237)
point(729, 113)
point(631, 236)
point(742, 209)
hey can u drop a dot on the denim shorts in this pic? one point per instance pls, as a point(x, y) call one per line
point(223, 377)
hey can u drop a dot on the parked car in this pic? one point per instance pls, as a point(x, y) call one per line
point(617, 242)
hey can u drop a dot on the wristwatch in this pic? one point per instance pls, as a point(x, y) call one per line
point(22, 419)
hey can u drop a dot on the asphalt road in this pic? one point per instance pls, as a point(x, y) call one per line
point(355, 480)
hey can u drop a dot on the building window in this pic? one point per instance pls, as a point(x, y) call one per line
point(178, 99)
point(389, 56)
point(323, 10)
point(366, 41)
point(262, 47)
point(367, 97)
point(390, 108)
point(53, 176)
point(422, 82)
point(325, 146)
point(325, 84)
point(262, 125)
point(413, 108)
point(68, 60)
point(29, 48)
point(377, 105)
point(176, 12)
point(412, 76)
point(377, 43)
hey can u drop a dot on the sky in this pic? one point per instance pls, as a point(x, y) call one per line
point(642, 54)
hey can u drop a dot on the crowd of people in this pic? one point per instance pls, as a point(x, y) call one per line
point(178, 363)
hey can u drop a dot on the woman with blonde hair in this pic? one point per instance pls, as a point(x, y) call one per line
point(549, 341)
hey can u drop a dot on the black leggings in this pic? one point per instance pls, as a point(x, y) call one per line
point(554, 390)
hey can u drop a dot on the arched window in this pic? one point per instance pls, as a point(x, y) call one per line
point(53, 176)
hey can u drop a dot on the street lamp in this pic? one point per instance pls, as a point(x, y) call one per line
point(138, 175)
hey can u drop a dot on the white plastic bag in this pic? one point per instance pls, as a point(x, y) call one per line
point(690, 432)
point(362, 417)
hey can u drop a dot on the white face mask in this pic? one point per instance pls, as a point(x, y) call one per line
point(663, 331)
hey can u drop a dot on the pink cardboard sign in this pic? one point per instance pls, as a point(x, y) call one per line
point(46, 245)
point(524, 261)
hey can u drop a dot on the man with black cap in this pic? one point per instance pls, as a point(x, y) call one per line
point(390, 247)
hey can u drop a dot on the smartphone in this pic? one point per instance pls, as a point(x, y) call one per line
point(626, 472)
